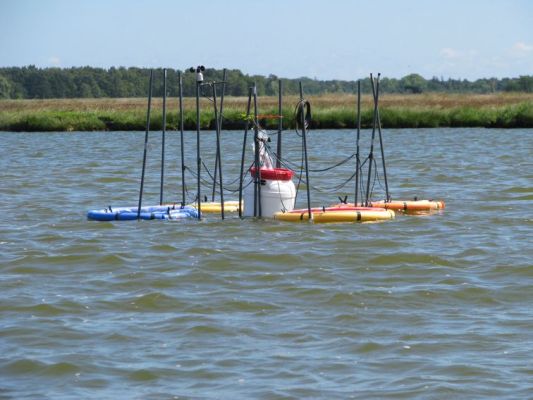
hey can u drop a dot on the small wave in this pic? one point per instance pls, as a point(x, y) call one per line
point(40, 309)
point(155, 302)
point(476, 295)
point(207, 330)
point(143, 375)
point(113, 180)
point(518, 189)
point(246, 306)
point(32, 367)
point(370, 347)
point(411, 258)
point(163, 248)
point(53, 308)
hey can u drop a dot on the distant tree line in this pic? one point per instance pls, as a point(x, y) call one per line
point(86, 82)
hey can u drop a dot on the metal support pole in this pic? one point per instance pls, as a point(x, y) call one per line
point(304, 138)
point(246, 127)
point(145, 143)
point(224, 77)
point(357, 158)
point(217, 121)
point(181, 140)
point(280, 126)
point(371, 155)
point(257, 163)
point(198, 158)
point(387, 194)
point(163, 136)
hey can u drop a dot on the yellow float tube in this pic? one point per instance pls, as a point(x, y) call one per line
point(337, 214)
point(209, 207)
point(404, 206)
point(215, 207)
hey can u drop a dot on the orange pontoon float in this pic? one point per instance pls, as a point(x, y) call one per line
point(410, 206)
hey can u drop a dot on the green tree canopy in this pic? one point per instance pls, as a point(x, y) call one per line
point(414, 83)
point(32, 82)
point(5, 88)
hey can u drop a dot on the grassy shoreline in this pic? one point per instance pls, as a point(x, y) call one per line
point(334, 111)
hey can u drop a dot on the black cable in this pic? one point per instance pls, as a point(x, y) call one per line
point(207, 184)
point(374, 180)
point(301, 172)
point(336, 187)
point(338, 164)
point(218, 184)
point(335, 165)
point(383, 187)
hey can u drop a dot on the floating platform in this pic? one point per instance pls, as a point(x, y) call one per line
point(410, 206)
point(151, 212)
point(337, 214)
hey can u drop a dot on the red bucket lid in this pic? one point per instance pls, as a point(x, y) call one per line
point(275, 174)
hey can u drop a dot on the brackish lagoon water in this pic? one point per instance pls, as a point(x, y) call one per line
point(427, 307)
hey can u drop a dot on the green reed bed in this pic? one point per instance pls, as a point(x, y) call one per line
point(333, 112)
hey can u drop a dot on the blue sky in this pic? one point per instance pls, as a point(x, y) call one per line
point(327, 39)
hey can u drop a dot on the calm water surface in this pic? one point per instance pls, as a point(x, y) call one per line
point(421, 307)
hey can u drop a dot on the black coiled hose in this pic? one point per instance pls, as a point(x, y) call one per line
point(303, 108)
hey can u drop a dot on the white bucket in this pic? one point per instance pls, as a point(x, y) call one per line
point(275, 196)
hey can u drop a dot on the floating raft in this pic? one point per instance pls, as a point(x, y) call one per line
point(410, 206)
point(215, 207)
point(337, 214)
point(153, 212)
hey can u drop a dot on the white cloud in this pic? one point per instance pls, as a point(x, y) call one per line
point(521, 49)
point(449, 53)
point(54, 61)
point(508, 61)
point(458, 55)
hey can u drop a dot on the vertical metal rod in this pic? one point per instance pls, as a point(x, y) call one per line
point(145, 143)
point(387, 194)
point(198, 158)
point(280, 126)
point(357, 158)
point(163, 136)
point(257, 163)
point(304, 134)
point(220, 119)
point(246, 127)
point(181, 140)
point(217, 121)
point(371, 155)
point(224, 77)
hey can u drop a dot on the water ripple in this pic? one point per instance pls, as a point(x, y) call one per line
point(420, 307)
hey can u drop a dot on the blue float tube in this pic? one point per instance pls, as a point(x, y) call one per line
point(153, 212)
